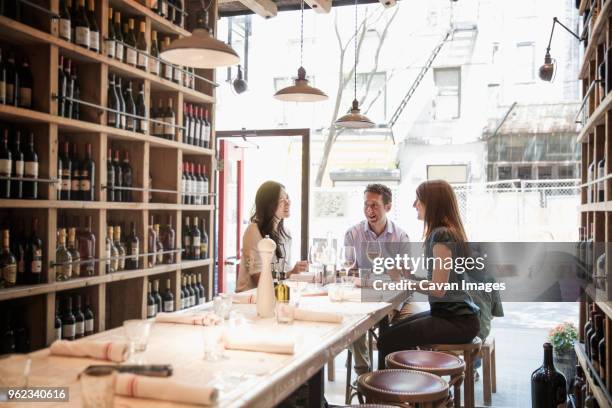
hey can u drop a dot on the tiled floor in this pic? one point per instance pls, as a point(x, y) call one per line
point(518, 336)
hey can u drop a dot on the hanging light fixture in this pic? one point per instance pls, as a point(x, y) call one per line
point(354, 119)
point(548, 69)
point(301, 91)
point(200, 49)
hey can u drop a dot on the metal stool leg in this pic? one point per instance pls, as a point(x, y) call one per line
point(349, 371)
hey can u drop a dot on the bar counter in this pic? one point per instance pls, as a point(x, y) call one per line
point(244, 378)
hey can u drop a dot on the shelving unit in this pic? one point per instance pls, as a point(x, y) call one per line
point(595, 138)
point(118, 295)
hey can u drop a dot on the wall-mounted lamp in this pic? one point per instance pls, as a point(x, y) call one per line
point(547, 71)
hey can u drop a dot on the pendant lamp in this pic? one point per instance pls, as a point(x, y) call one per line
point(354, 119)
point(200, 49)
point(301, 91)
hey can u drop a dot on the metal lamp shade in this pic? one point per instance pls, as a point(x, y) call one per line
point(301, 91)
point(354, 119)
point(547, 71)
point(200, 50)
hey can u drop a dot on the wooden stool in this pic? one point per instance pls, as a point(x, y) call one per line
point(433, 362)
point(403, 387)
point(470, 352)
point(489, 374)
point(350, 391)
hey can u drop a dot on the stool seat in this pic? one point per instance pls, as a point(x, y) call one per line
point(394, 385)
point(474, 345)
point(433, 362)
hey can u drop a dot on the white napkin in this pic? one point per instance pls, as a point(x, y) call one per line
point(197, 319)
point(302, 277)
point(116, 351)
point(315, 316)
point(245, 298)
point(164, 389)
point(254, 342)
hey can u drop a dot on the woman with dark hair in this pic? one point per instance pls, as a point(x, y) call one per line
point(453, 316)
point(272, 206)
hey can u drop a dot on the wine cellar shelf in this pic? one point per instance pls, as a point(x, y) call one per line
point(158, 163)
point(595, 139)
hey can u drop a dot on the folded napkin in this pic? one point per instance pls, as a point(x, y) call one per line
point(265, 344)
point(164, 389)
point(303, 277)
point(321, 292)
point(244, 298)
point(116, 351)
point(314, 316)
point(197, 319)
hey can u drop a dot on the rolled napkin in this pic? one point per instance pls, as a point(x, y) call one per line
point(244, 298)
point(265, 344)
point(311, 293)
point(116, 351)
point(164, 389)
point(314, 316)
point(196, 319)
point(303, 277)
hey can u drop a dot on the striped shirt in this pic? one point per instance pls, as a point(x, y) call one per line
point(360, 234)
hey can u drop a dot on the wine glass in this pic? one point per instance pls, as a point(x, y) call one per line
point(315, 261)
point(346, 261)
point(373, 250)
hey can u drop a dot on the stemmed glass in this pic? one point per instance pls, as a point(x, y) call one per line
point(346, 261)
point(315, 261)
point(373, 250)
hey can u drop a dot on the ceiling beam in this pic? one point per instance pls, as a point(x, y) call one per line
point(289, 6)
point(264, 8)
point(320, 6)
point(387, 3)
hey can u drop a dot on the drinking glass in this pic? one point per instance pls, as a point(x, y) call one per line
point(365, 277)
point(137, 332)
point(335, 292)
point(98, 387)
point(285, 312)
point(213, 344)
point(346, 261)
point(222, 305)
point(315, 261)
point(373, 250)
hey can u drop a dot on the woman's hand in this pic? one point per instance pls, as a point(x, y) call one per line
point(301, 266)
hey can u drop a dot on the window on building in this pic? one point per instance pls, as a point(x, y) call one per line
point(447, 102)
point(524, 173)
point(525, 62)
point(545, 173)
point(504, 173)
point(566, 172)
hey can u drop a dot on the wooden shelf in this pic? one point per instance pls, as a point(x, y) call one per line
point(100, 205)
point(595, 207)
point(159, 23)
point(597, 118)
point(23, 34)
point(600, 394)
point(596, 38)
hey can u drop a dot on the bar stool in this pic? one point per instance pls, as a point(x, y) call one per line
point(403, 388)
point(433, 362)
point(489, 369)
point(470, 352)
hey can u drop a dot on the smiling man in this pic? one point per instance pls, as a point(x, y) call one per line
point(377, 202)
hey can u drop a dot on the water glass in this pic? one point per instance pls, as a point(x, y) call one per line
point(285, 312)
point(365, 277)
point(137, 332)
point(213, 343)
point(222, 305)
point(98, 387)
point(335, 292)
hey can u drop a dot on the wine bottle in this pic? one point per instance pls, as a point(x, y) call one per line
point(73, 8)
point(195, 239)
point(62, 83)
point(2, 80)
point(154, 64)
point(184, 295)
point(114, 253)
point(201, 289)
point(141, 110)
point(74, 252)
point(18, 248)
point(110, 177)
point(133, 249)
point(65, 172)
point(199, 185)
point(67, 108)
point(152, 244)
point(163, 7)
point(167, 66)
point(158, 126)
point(204, 241)
point(89, 318)
point(159, 247)
point(159, 305)
point(151, 306)
point(130, 41)
point(68, 321)
point(112, 103)
point(601, 173)
point(170, 121)
point(122, 108)
point(18, 167)
point(64, 21)
point(199, 125)
point(196, 293)
point(79, 318)
point(548, 386)
point(178, 13)
point(111, 39)
point(25, 84)
point(88, 176)
point(94, 31)
point(6, 165)
point(34, 255)
point(206, 131)
point(192, 183)
point(75, 180)
point(8, 263)
point(119, 49)
point(171, 11)
point(82, 26)
point(168, 298)
point(30, 188)
point(63, 260)
point(87, 248)
point(12, 80)
point(187, 123)
point(141, 44)
point(58, 322)
point(120, 248)
point(130, 108)
point(186, 239)
point(206, 186)
point(127, 177)
point(119, 194)
point(168, 241)
point(76, 106)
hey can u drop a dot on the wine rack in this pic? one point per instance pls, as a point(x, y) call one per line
point(595, 138)
point(156, 164)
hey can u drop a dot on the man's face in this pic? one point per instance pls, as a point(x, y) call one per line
point(374, 209)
